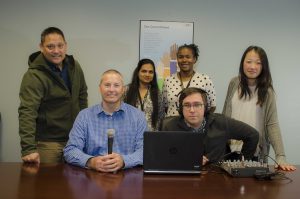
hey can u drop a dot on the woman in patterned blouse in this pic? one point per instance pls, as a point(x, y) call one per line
point(143, 93)
point(187, 56)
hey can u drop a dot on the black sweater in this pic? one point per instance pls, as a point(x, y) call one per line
point(218, 130)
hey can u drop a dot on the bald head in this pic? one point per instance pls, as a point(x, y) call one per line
point(111, 88)
point(112, 72)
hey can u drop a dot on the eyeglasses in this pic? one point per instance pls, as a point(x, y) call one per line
point(197, 106)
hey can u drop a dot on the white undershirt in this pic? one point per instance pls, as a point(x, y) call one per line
point(185, 83)
point(243, 110)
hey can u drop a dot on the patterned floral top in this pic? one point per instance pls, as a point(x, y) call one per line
point(148, 109)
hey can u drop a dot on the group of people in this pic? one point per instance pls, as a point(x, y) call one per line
point(53, 93)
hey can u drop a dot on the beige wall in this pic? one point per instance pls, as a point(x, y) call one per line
point(105, 34)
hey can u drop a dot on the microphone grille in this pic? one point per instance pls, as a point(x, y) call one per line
point(110, 132)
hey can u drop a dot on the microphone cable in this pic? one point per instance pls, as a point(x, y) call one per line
point(276, 175)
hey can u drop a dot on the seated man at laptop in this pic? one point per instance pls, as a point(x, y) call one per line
point(218, 129)
point(88, 140)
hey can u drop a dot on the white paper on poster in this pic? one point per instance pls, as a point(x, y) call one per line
point(159, 41)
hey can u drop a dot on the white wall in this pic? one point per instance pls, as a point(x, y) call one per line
point(105, 34)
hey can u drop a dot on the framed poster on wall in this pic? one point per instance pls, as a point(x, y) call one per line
point(159, 41)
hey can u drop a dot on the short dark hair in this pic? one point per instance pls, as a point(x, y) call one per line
point(189, 91)
point(51, 30)
point(193, 47)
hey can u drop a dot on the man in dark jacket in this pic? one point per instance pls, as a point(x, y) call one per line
point(53, 91)
point(218, 129)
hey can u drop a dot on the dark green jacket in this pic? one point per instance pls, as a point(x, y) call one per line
point(47, 108)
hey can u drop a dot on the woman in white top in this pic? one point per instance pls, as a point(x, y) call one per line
point(251, 99)
point(187, 56)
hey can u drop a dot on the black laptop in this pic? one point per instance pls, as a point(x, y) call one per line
point(168, 152)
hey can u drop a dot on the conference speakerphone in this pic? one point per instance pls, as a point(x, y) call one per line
point(238, 168)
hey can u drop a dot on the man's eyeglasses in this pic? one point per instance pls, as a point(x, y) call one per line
point(197, 106)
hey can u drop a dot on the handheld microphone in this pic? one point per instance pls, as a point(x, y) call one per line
point(110, 140)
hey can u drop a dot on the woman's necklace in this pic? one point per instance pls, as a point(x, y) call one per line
point(142, 101)
point(181, 82)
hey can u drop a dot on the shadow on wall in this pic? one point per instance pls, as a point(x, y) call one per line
point(117, 55)
point(18, 46)
point(0, 138)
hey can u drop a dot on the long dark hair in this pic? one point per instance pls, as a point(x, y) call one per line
point(263, 81)
point(133, 90)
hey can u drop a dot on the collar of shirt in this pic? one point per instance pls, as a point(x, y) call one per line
point(101, 110)
point(63, 73)
point(184, 126)
point(53, 67)
point(201, 129)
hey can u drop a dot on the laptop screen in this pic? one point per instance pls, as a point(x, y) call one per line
point(173, 152)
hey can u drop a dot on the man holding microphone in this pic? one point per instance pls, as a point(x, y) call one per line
point(112, 120)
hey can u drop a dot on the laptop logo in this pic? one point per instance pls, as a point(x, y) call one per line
point(173, 150)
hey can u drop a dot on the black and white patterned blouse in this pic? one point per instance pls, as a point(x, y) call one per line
point(172, 87)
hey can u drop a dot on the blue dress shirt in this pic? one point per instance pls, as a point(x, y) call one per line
point(88, 137)
point(61, 73)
